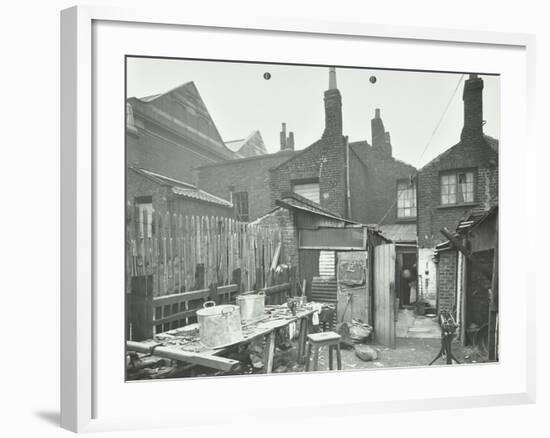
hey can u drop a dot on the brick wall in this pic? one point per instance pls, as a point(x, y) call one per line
point(446, 274)
point(325, 161)
point(246, 175)
point(138, 185)
point(164, 200)
point(470, 153)
point(427, 275)
point(284, 219)
point(374, 188)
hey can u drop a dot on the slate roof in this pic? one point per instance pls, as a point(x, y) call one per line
point(161, 179)
point(183, 111)
point(364, 151)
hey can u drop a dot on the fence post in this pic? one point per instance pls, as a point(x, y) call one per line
point(199, 277)
point(214, 293)
point(141, 307)
point(236, 279)
point(292, 281)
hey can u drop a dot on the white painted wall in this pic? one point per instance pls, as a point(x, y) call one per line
point(427, 278)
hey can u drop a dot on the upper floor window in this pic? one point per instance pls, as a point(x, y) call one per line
point(309, 190)
point(240, 201)
point(457, 187)
point(406, 199)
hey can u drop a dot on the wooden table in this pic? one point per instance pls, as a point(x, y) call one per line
point(188, 348)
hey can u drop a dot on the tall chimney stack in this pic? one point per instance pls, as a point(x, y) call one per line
point(283, 137)
point(333, 107)
point(287, 142)
point(473, 107)
point(381, 140)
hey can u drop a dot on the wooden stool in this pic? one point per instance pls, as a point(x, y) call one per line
point(318, 340)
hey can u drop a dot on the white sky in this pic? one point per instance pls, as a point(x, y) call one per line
point(240, 100)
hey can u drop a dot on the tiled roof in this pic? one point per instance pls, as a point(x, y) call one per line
point(399, 232)
point(181, 188)
point(201, 195)
point(162, 179)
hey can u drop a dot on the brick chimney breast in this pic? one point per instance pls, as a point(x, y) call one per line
point(473, 107)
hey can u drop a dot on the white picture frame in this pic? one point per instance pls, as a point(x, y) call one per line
point(82, 349)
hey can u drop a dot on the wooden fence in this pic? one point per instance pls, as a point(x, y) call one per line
point(176, 263)
point(185, 253)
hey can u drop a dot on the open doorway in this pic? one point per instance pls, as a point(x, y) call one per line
point(406, 277)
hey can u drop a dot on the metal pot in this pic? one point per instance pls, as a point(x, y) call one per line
point(219, 326)
point(252, 306)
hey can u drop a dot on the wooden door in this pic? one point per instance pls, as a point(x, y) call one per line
point(352, 286)
point(384, 294)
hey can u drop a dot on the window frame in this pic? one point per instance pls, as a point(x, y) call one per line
point(241, 217)
point(456, 173)
point(304, 181)
point(415, 198)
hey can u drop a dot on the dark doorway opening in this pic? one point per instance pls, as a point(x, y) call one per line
point(407, 289)
point(479, 280)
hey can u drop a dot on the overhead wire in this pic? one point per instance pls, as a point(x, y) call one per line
point(428, 142)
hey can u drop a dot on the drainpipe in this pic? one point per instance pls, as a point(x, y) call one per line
point(348, 180)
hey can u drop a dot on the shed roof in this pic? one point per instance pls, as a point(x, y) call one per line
point(296, 202)
point(399, 233)
point(181, 188)
point(201, 195)
point(466, 225)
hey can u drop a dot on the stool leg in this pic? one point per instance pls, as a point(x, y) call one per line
point(338, 356)
point(330, 347)
point(316, 358)
point(308, 355)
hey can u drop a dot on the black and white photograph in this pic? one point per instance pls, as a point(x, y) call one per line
point(286, 218)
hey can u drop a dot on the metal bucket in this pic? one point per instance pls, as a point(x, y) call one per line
point(252, 306)
point(219, 326)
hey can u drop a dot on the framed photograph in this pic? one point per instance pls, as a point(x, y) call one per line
point(254, 206)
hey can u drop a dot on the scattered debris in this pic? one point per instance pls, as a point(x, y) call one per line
point(365, 352)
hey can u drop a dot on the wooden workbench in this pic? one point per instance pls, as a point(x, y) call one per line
point(176, 345)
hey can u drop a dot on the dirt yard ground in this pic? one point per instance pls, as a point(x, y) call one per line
point(409, 352)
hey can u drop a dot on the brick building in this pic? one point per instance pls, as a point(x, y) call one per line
point(243, 181)
point(172, 133)
point(462, 180)
point(168, 135)
point(354, 180)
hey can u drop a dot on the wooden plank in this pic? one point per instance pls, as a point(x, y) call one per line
point(492, 343)
point(192, 295)
point(177, 316)
point(269, 351)
point(210, 361)
point(384, 294)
